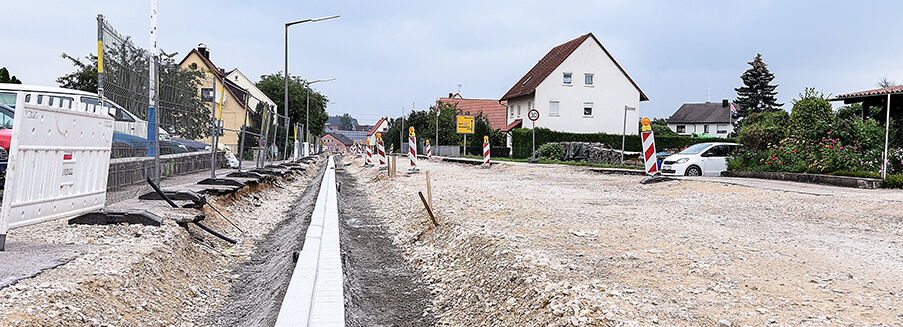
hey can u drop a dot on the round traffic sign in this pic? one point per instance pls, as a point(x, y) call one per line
point(533, 114)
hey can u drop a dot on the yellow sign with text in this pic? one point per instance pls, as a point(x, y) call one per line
point(465, 124)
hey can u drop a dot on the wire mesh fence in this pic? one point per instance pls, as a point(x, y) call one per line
point(188, 106)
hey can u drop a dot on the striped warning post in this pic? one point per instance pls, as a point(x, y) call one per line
point(429, 152)
point(369, 155)
point(486, 151)
point(380, 149)
point(412, 152)
point(649, 147)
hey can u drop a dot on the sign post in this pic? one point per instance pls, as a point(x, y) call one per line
point(624, 133)
point(534, 115)
point(465, 126)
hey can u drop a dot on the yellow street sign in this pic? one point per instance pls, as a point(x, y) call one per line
point(465, 124)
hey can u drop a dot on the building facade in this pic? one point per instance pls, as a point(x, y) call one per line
point(577, 87)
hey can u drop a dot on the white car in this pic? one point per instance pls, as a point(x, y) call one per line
point(124, 121)
point(702, 159)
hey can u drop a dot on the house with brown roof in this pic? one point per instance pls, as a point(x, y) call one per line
point(703, 118)
point(335, 142)
point(233, 96)
point(382, 126)
point(493, 110)
point(577, 87)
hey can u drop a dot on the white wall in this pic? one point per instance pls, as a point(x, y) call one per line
point(610, 92)
point(256, 94)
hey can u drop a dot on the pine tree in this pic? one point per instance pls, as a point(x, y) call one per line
point(756, 94)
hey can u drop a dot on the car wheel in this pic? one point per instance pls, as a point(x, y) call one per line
point(694, 171)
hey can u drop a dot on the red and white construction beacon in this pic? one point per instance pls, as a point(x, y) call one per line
point(649, 147)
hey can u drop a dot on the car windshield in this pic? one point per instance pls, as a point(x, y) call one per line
point(8, 99)
point(696, 148)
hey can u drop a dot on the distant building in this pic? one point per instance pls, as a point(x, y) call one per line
point(703, 118)
point(233, 99)
point(491, 109)
point(336, 142)
point(380, 127)
point(577, 87)
point(355, 136)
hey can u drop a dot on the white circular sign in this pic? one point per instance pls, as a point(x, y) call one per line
point(533, 114)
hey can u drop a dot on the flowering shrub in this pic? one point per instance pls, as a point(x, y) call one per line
point(800, 156)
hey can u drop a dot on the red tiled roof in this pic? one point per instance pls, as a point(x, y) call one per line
point(885, 90)
point(491, 109)
point(515, 124)
point(527, 84)
point(376, 126)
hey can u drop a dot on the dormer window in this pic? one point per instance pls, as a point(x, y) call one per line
point(566, 79)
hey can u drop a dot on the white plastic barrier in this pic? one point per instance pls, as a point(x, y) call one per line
point(59, 160)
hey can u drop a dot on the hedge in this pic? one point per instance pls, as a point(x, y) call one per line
point(523, 138)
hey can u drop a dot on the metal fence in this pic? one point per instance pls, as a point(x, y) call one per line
point(185, 109)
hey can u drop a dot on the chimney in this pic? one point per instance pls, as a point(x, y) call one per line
point(725, 103)
point(202, 49)
point(450, 95)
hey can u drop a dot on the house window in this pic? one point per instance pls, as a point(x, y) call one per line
point(511, 112)
point(587, 109)
point(722, 129)
point(681, 129)
point(553, 108)
point(518, 110)
point(567, 79)
point(588, 79)
point(529, 105)
point(705, 129)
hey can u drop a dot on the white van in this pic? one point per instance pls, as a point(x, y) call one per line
point(125, 121)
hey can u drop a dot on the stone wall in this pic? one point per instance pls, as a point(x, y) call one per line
point(127, 171)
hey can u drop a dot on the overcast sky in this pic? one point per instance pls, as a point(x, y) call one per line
point(389, 55)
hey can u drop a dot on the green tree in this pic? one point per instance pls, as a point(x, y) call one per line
point(84, 77)
point(660, 127)
point(6, 78)
point(347, 123)
point(763, 128)
point(299, 91)
point(812, 118)
point(757, 93)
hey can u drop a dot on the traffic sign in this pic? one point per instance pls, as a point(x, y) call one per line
point(533, 114)
point(465, 124)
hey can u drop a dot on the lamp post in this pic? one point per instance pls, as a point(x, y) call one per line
point(285, 90)
point(307, 105)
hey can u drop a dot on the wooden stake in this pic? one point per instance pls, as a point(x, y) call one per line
point(429, 190)
point(428, 209)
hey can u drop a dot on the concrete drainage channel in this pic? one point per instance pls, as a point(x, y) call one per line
point(315, 295)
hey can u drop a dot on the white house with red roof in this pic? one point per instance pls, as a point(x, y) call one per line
point(380, 127)
point(577, 87)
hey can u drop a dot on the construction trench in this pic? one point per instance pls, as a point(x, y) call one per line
point(512, 245)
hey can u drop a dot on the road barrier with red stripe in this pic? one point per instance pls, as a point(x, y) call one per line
point(649, 147)
point(429, 152)
point(380, 150)
point(412, 152)
point(486, 151)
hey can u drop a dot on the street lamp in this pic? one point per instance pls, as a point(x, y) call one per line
point(307, 105)
point(285, 90)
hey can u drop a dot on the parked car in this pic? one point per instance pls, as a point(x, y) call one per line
point(125, 121)
point(702, 159)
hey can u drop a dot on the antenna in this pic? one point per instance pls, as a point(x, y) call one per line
point(459, 89)
point(708, 95)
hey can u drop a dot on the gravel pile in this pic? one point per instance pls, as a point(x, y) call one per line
point(543, 245)
point(135, 275)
